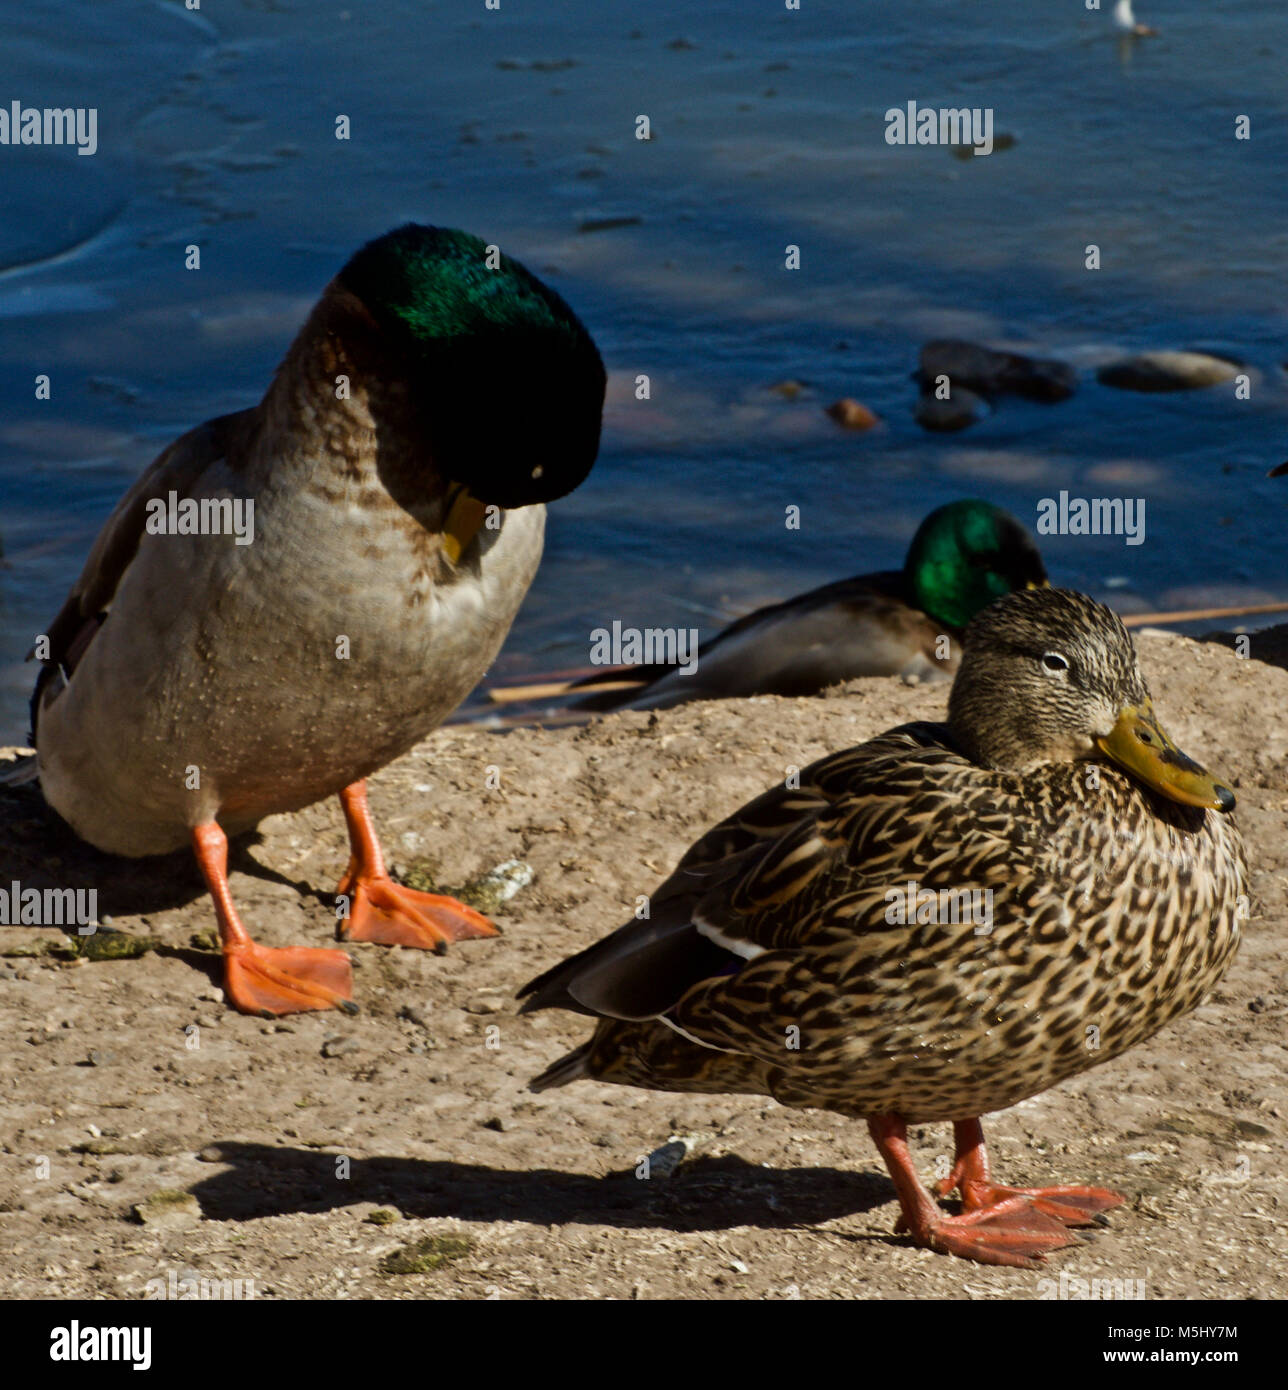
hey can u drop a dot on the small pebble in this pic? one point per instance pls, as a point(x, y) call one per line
point(851, 414)
point(663, 1161)
point(340, 1047)
point(101, 1057)
point(168, 1210)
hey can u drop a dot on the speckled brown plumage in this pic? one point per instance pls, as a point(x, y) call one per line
point(780, 957)
point(1113, 909)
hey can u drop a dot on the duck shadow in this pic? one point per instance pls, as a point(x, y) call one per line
point(38, 849)
point(705, 1194)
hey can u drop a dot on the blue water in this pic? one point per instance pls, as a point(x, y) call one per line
point(216, 127)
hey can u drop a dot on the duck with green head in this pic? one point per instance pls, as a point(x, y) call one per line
point(1075, 875)
point(896, 623)
point(436, 398)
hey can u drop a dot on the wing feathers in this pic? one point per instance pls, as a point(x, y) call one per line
point(176, 469)
point(751, 885)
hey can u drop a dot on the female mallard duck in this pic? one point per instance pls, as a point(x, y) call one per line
point(939, 922)
point(896, 623)
point(436, 397)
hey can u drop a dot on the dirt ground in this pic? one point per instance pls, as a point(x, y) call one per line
point(326, 1156)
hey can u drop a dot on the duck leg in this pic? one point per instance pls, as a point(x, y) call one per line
point(267, 980)
point(1012, 1232)
point(1074, 1206)
point(384, 911)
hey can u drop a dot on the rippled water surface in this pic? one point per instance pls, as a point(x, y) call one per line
point(216, 127)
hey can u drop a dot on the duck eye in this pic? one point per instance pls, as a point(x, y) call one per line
point(1053, 661)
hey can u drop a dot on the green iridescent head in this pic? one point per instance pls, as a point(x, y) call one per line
point(511, 384)
point(967, 554)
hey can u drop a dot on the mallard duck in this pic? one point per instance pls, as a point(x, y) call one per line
point(940, 922)
point(437, 396)
point(897, 623)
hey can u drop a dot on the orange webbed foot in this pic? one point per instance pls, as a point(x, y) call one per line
point(1073, 1205)
point(267, 980)
point(999, 1225)
point(386, 912)
point(271, 981)
point(1014, 1232)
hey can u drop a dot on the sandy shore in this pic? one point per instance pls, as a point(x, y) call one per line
point(137, 1085)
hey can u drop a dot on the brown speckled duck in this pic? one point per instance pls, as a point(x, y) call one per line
point(435, 399)
point(940, 922)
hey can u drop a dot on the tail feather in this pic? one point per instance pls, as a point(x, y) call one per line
point(571, 1067)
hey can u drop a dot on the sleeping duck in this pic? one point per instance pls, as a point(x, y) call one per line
point(897, 623)
point(437, 396)
point(1074, 872)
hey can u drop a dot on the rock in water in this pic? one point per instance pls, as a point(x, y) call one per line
point(990, 372)
point(851, 414)
point(962, 408)
point(1168, 371)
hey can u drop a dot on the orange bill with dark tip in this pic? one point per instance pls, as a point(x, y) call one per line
point(1138, 743)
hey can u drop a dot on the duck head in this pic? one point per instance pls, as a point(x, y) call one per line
point(509, 382)
point(964, 556)
point(1051, 676)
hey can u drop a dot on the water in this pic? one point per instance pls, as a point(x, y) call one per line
point(217, 127)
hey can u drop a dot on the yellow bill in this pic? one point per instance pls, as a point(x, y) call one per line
point(1138, 743)
point(464, 517)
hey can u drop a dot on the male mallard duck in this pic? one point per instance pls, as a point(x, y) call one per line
point(822, 945)
point(436, 397)
point(963, 556)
